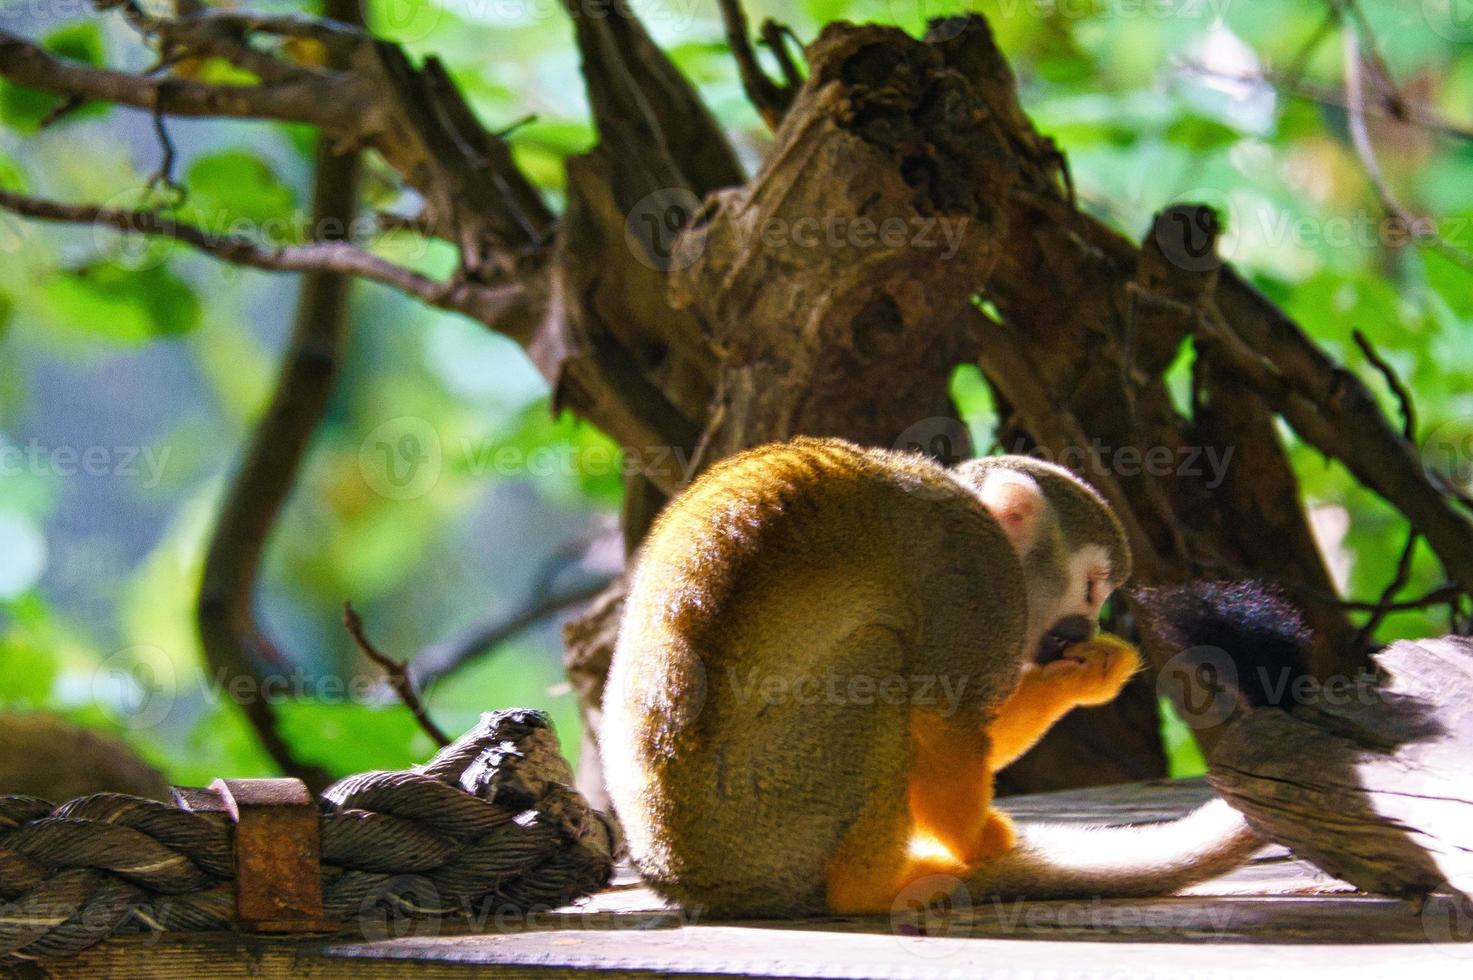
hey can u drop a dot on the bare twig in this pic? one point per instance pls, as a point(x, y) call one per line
point(1394, 382)
point(542, 601)
point(1358, 51)
point(1388, 595)
point(1409, 113)
point(1294, 72)
point(1447, 594)
point(140, 19)
point(777, 37)
point(398, 674)
point(770, 99)
point(479, 301)
point(445, 658)
point(165, 173)
point(343, 106)
point(61, 110)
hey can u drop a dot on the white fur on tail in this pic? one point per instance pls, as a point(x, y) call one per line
point(1062, 861)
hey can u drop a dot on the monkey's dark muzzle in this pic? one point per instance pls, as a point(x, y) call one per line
point(1062, 635)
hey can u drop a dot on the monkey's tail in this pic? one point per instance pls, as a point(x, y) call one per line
point(1063, 861)
point(1261, 631)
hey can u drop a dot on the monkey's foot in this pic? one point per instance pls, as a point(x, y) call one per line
point(997, 837)
point(1093, 672)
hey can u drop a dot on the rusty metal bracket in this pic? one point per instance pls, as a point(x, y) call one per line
point(278, 854)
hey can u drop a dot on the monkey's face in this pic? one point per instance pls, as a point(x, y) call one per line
point(1073, 550)
point(1068, 585)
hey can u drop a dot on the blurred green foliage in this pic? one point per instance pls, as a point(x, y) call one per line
point(156, 361)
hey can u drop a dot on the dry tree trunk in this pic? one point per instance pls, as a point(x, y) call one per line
point(689, 311)
point(859, 343)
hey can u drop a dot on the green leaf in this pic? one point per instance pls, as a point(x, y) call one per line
point(1183, 756)
point(27, 670)
point(1449, 279)
point(1201, 133)
point(348, 737)
point(1299, 119)
point(24, 108)
point(12, 177)
point(81, 41)
point(123, 305)
point(229, 189)
point(218, 71)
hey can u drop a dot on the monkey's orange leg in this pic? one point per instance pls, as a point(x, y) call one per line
point(951, 787)
point(1092, 672)
point(868, 869)
point(944, 821)
point(876, 862)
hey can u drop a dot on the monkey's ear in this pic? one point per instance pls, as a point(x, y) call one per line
point(1017, 503)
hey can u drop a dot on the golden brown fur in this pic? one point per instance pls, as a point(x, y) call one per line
point(816, 642)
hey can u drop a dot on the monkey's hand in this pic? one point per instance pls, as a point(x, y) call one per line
point(1088, 673)
point(1092, 672)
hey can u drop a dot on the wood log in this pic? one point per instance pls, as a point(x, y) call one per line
point(1369, 777)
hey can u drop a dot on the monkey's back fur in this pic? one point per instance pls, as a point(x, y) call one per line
point(787, 613)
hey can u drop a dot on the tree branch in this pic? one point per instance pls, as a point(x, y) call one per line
point(770, 99)
point(397, 673)
point(1398, 582)
point(1358, 49)
point(445, 658)
point(1394, 382)
point(1336, 414)
point(339, 103)
point(233, 640)
point(475, 196)
point(483, 303)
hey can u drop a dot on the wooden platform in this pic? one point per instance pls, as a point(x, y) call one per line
point(1276, 914)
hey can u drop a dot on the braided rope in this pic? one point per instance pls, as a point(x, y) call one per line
point(489, 825)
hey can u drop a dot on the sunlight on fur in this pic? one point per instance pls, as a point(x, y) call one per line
point(926, 847)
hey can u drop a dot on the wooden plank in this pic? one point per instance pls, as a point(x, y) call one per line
point(1276, 914)
point(1196, 940)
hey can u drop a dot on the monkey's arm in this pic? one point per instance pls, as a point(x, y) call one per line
point(1090, 673)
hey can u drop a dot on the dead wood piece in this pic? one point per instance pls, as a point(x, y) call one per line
point(833, 281)
point(1371, 782)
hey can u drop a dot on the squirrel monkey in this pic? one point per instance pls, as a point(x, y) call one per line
point(826, 653)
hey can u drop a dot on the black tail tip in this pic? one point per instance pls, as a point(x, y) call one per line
point(1263, 633)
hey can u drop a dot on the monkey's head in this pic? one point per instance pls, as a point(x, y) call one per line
point(1072, 546)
